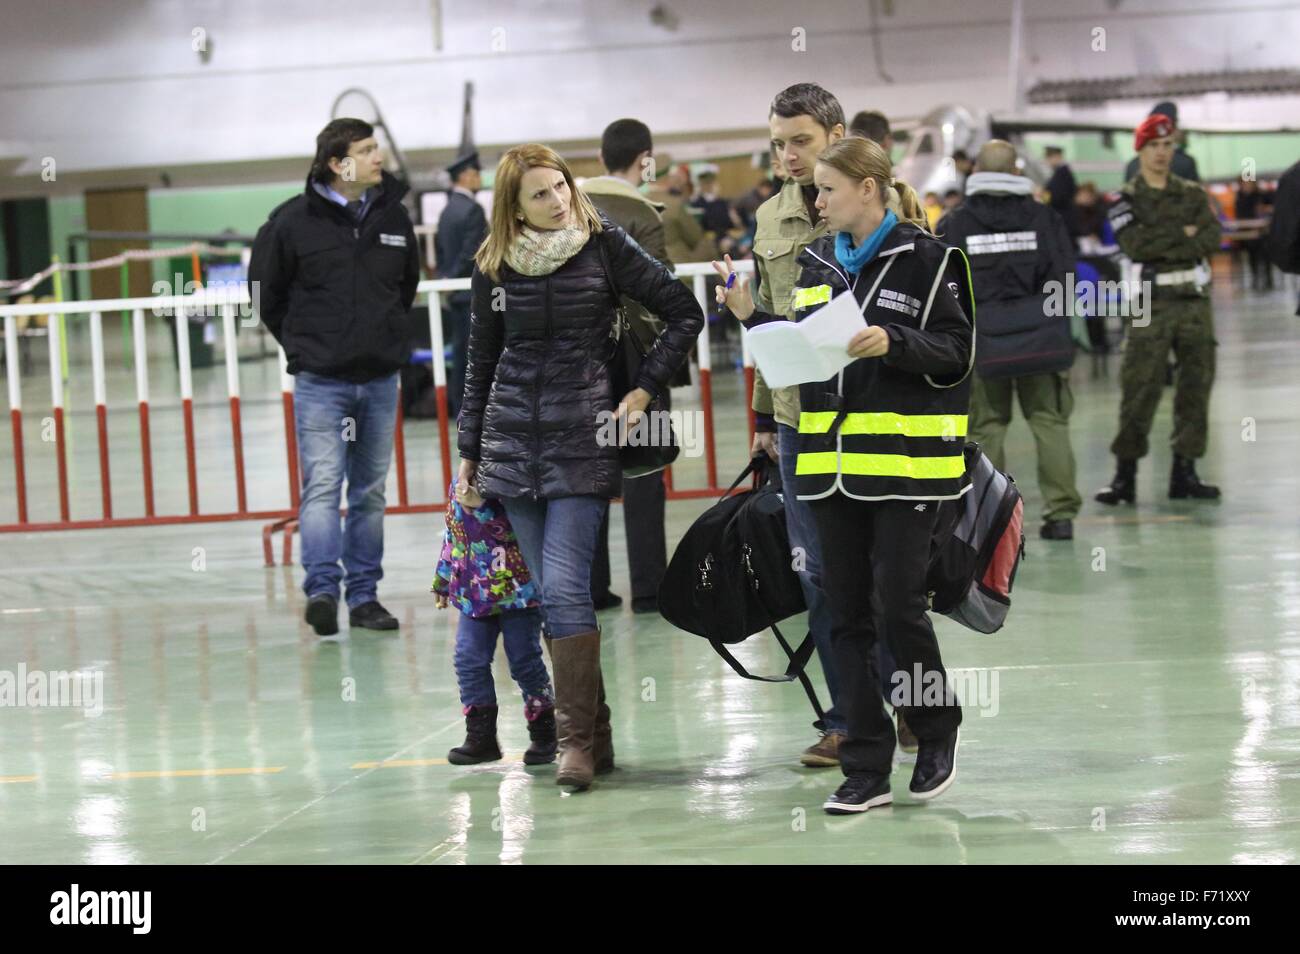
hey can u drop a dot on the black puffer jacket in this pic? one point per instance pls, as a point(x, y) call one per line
point(536, 378)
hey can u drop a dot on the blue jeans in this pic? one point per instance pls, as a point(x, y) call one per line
point(802, 528)
point(558, 540)
point(345, 430)
point(476, 644)
point(803, 534)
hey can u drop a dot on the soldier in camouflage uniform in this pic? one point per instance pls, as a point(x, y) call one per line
point(1164, 223)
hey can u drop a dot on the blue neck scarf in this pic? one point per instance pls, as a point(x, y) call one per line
point(855, 260)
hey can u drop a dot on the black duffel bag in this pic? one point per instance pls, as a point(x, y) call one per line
point(732, 575)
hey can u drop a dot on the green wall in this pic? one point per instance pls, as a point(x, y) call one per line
point(212, 211)
point(200, 211)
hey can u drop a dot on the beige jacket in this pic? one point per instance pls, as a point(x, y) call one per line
point(783, 230)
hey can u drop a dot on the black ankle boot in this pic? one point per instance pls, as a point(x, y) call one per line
point(480, 743)
point(541, 730)
point(1123, 486)
point(1183, 482)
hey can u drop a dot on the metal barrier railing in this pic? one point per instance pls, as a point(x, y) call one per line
point(233, 304)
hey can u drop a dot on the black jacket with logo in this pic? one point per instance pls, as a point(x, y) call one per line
point(1020, 255)
point(335, 293)
point(882, 427)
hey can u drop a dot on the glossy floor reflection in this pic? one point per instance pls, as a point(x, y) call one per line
point(1147, 705)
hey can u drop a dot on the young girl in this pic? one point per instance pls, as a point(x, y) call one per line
point(481, 570)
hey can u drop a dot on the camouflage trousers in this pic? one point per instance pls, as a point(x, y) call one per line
point(1185, 326)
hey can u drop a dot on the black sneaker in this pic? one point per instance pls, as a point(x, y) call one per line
point(371, 616)
point(858, 794)
point(645, 604)
point(1057, 530)
point(936, 767)
point(323, 614)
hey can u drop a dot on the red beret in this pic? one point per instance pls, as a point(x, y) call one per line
point(1155, 126)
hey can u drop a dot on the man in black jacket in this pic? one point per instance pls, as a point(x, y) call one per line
point(461, 229)
point(335, 271)
point(1020, 254)
point(1061, 186)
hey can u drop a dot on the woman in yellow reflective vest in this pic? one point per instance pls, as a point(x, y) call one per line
point(879, 444)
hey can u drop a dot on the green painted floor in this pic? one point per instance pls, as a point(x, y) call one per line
point(1145, 712)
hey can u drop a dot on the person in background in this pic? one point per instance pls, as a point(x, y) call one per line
point(627, 152)
point(952, 198)
point(337, 268)
point(684, 238)
point(1061, 187)
point(933, 210)
point(873, 125)
point(461, 229)
point(747, 205)
point(1182, 165)
point(963, 165)
point(1252, 203)
point(1018, 249)
point(716, 214)
point(1163, 222)
point(1087, 216)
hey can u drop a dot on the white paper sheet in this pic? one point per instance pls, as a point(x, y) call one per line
point(789, 352)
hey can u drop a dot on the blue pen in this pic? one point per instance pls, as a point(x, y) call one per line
point(731, 280)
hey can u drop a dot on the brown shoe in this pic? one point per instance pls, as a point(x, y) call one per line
point(826, 753)
point(907, 740)
point(602, 739)
point(576, 663)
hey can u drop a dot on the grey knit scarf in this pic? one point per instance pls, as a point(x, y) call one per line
point(541, 251)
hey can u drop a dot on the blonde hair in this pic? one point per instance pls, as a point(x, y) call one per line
point(860, 159)
point(506, 222)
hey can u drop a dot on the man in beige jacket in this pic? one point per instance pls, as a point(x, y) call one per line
point(804, 119)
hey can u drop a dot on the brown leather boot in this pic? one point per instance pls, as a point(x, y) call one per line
point(576, 664)
point(602, 743)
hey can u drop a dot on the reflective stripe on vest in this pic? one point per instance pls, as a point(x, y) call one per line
point(906, 425)
point(881, 465)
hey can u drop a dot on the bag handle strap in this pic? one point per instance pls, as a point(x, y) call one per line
point(757, 466)
point(795, 670)
point(745, 525)
point(621, 323)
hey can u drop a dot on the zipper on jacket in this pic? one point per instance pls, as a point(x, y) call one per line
point(537, 397)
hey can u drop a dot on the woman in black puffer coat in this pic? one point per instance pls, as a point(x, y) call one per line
point(537, 399)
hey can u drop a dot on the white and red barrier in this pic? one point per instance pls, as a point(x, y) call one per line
point(227, 302)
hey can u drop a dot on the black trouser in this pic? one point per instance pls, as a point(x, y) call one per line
point(885, 591)
point(455, 323)
point(647, 551)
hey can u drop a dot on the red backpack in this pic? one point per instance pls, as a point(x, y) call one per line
point(977, 548)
